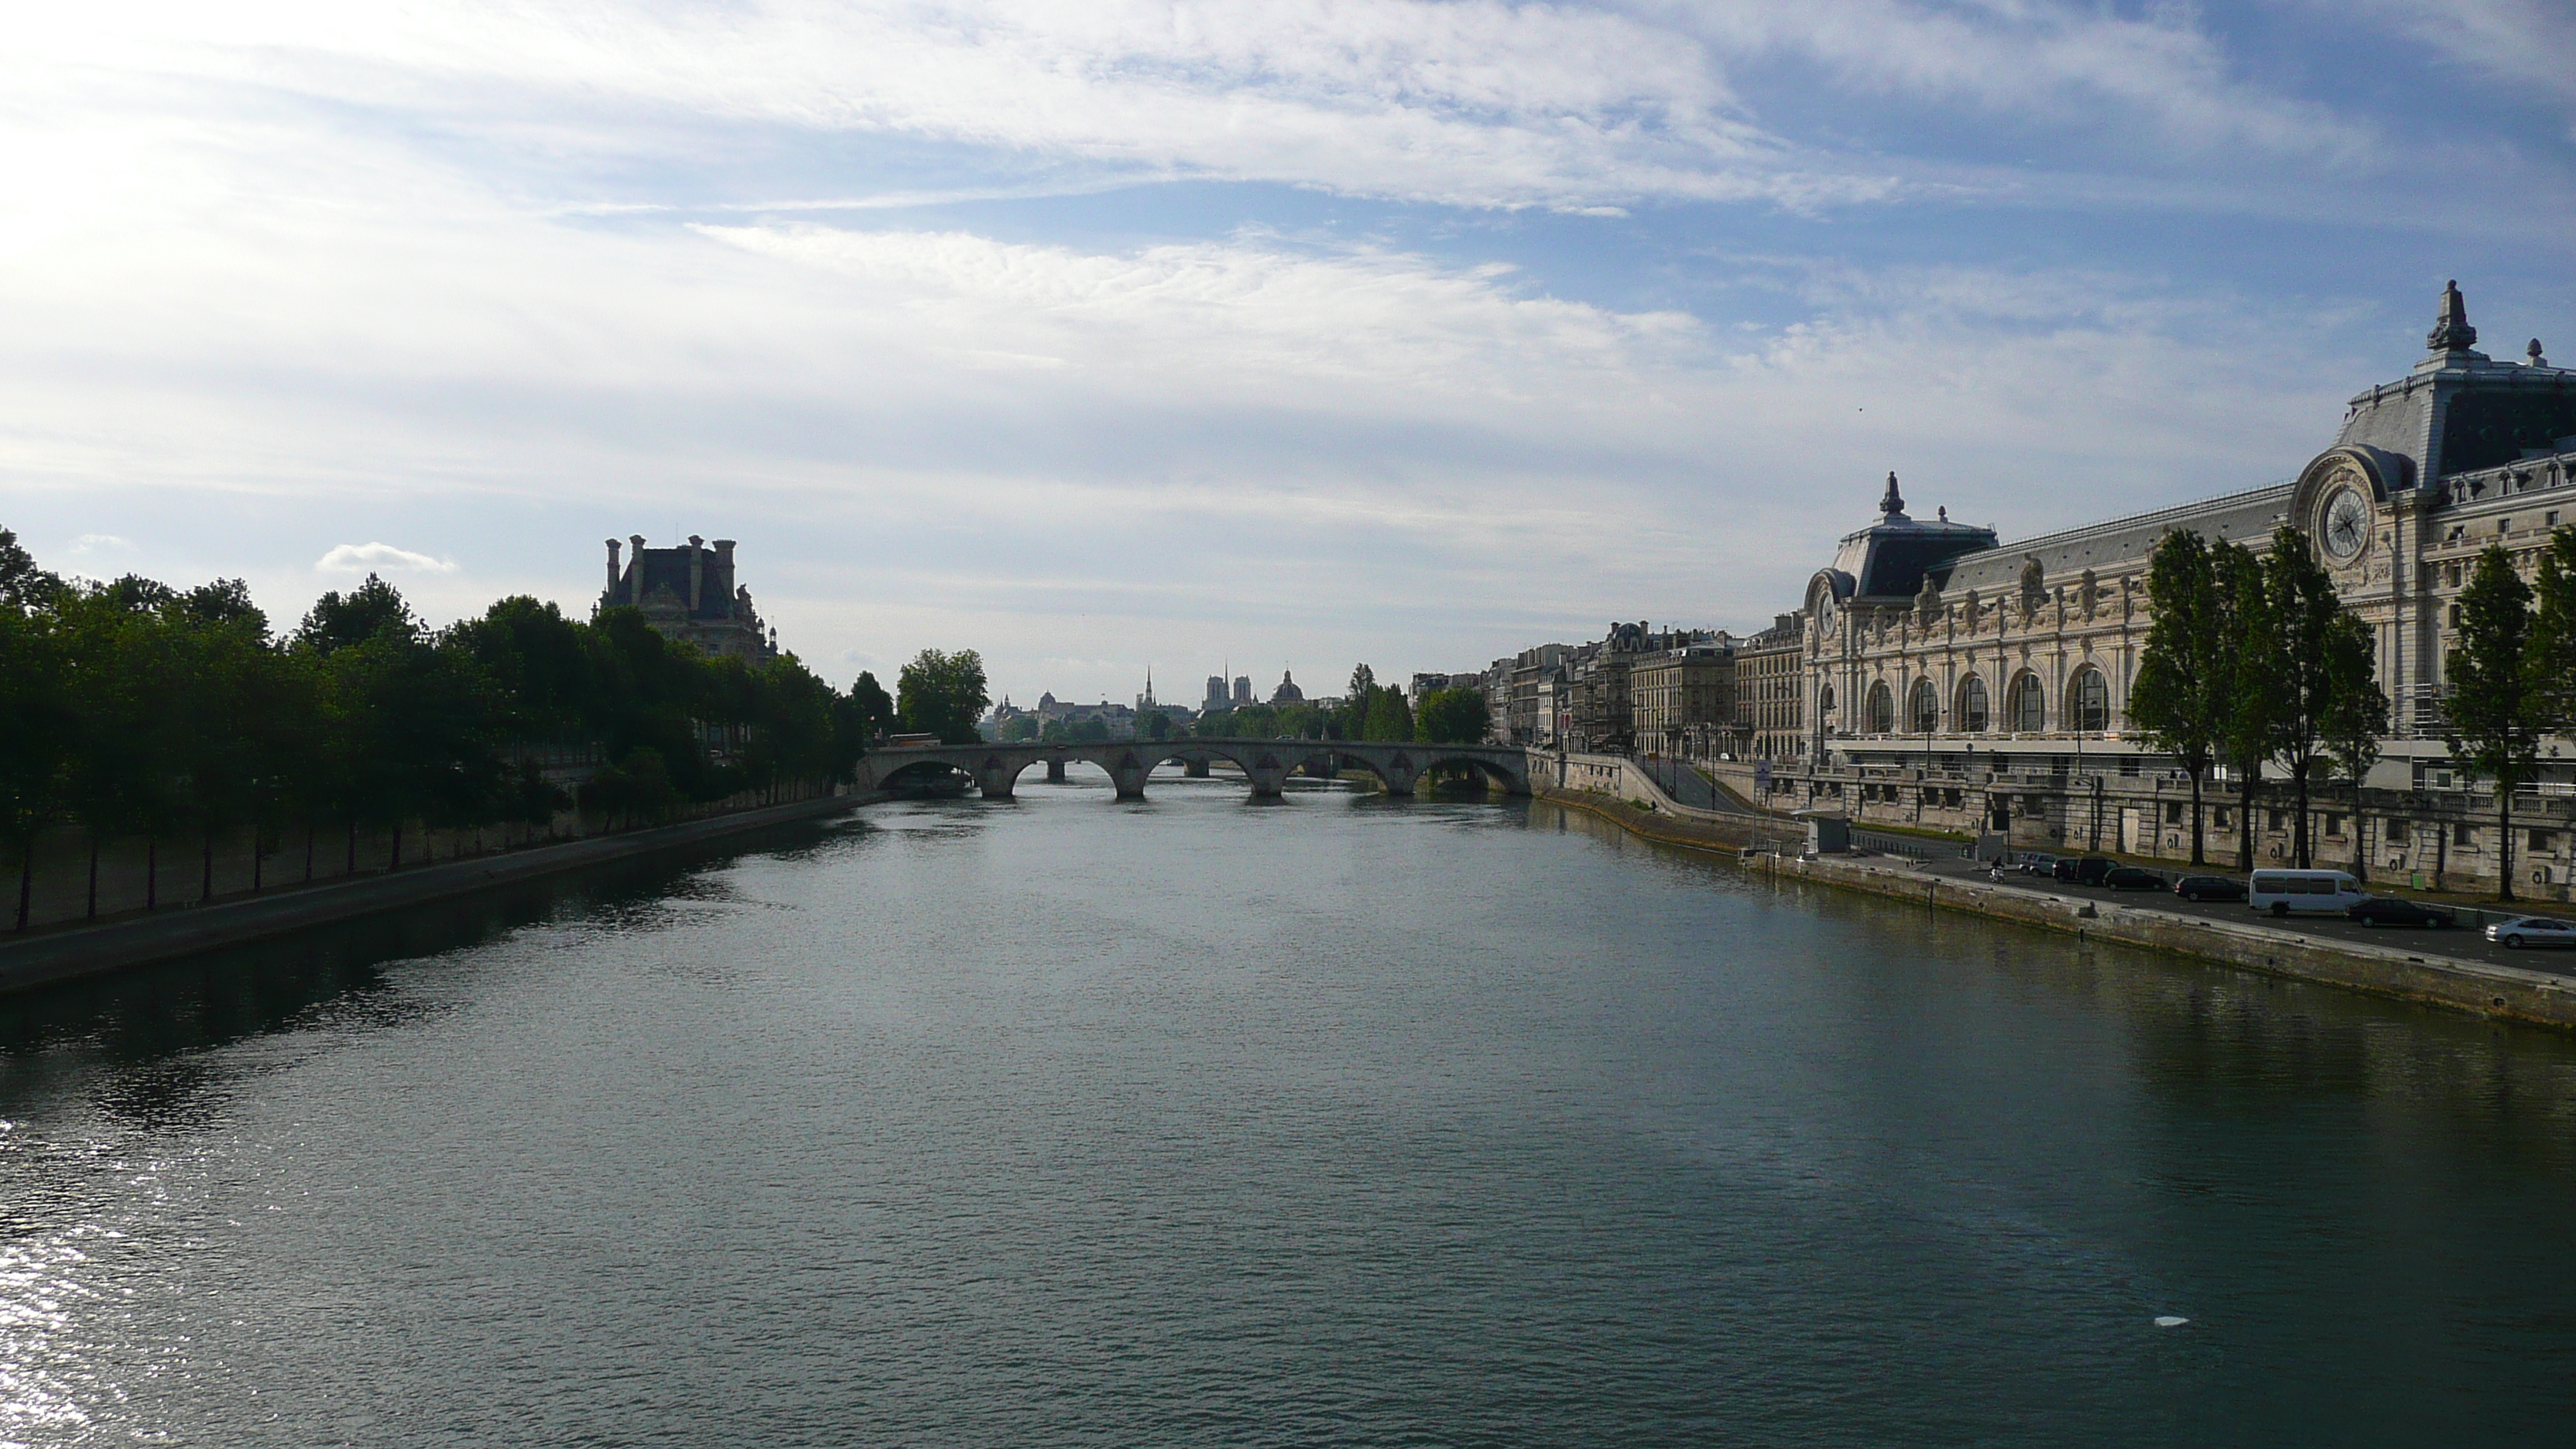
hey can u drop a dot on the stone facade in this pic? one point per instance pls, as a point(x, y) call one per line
point(1935, 652)
point(1683, 699)
point(689, 596)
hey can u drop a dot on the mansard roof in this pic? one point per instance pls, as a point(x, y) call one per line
point(2460, 411)
point(1889, 558)
point(2247, 517)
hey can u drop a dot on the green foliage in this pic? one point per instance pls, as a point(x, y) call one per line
point(2181, 695)
point(1388, 718)
point(871, 709)
point(2493, 709)
point(1025, 727)
point(942, 694)
point(2319, 673)
point(1452, 717)
point(132, 707)
point(2551, 652)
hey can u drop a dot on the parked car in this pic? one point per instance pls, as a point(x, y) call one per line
point(2524, 931)
point(2035, 862)
point(2304, 892)
point(2084, 870)
point(2132, 878)
point(2210, 888)
point(2394, 911)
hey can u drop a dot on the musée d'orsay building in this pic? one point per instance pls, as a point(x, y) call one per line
point(1937, 655)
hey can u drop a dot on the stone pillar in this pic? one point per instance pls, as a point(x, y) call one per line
point(1128, 771)
point(613, 546)
point(697, 569)
point(635, 576)
point(724, 573)
point(1399, 774)
point(1266, 774)
point(1055, 770)
point(1195, 767)
point(995, 778)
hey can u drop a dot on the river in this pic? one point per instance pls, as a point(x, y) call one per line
point(1339, 1120)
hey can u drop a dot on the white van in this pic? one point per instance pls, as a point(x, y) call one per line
point(2304, 892)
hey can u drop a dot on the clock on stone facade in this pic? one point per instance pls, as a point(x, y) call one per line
point(2344, 524)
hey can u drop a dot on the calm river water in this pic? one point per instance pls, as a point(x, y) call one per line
point(1338, 1121)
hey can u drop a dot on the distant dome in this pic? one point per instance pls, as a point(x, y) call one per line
point(1287, 692)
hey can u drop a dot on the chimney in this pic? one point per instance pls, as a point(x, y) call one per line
point(613, 547)
point(697, 569)
point(635, 576)
point(724, 574)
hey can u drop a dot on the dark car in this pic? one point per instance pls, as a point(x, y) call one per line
point(2132, 878)
point(2391, 911)
point(2209, 888)
point(2087, 871)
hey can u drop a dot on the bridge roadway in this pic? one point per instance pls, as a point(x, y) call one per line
point(1267, 764)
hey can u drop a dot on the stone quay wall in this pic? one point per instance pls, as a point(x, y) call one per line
point(185, 870)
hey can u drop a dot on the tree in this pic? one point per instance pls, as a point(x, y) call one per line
point(37, 727)
point(2243, 675)
point(874, 710)
point(23, 586)
point(2182, 693)
point(2553, 632)
point(2355, 719)
point(1024, 727)
point(942, 694)
point(1353, 715)
point(1387, 718)
point(2303, 611)
point(371, 609)
point(1158, 725)
point(1452, 717)
point(2493, 715)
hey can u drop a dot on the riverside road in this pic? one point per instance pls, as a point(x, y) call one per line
point(2464, 942)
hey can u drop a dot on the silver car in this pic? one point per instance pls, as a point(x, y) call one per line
point(2524, 931)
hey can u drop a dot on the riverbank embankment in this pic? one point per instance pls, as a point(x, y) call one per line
point(78, 952)
point(2394, 972)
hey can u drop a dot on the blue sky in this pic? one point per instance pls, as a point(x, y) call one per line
point(1269, 334)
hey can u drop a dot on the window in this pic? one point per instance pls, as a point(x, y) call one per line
point(2544, 840)
point(2399, 829)
point(2464, 835)
point(2276, 818)
point(1924, 708)
point(2218, 817)
point(2173, 812)
point(2504, 525)
point(1882, 709)
point(2455, 616)
point(1971, 715)
point(2334, 826)
point(2027, 704)
point(2089, 700)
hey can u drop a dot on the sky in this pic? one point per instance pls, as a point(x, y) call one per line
point(1194, 336)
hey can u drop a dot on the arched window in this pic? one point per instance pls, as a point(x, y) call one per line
point(1923, 708)
point(2027, 704)
point(2088, 700)
point(1824, 703)
point(1882, 709)
point(1971, 714)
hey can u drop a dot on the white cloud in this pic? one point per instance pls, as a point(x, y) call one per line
point(99, 543)
point(351, 558)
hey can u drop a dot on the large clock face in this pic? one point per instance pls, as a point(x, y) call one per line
point(2346, 525)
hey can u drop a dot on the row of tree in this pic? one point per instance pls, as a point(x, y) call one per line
point(133, 709)
point(2252, 660)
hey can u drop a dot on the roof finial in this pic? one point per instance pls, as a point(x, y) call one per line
point(1893, 505)
point(2453, 332)
point(2533, 352)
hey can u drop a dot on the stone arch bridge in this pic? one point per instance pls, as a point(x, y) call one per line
point(1266, 763)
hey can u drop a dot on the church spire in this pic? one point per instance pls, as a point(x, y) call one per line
point(2453, 332)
